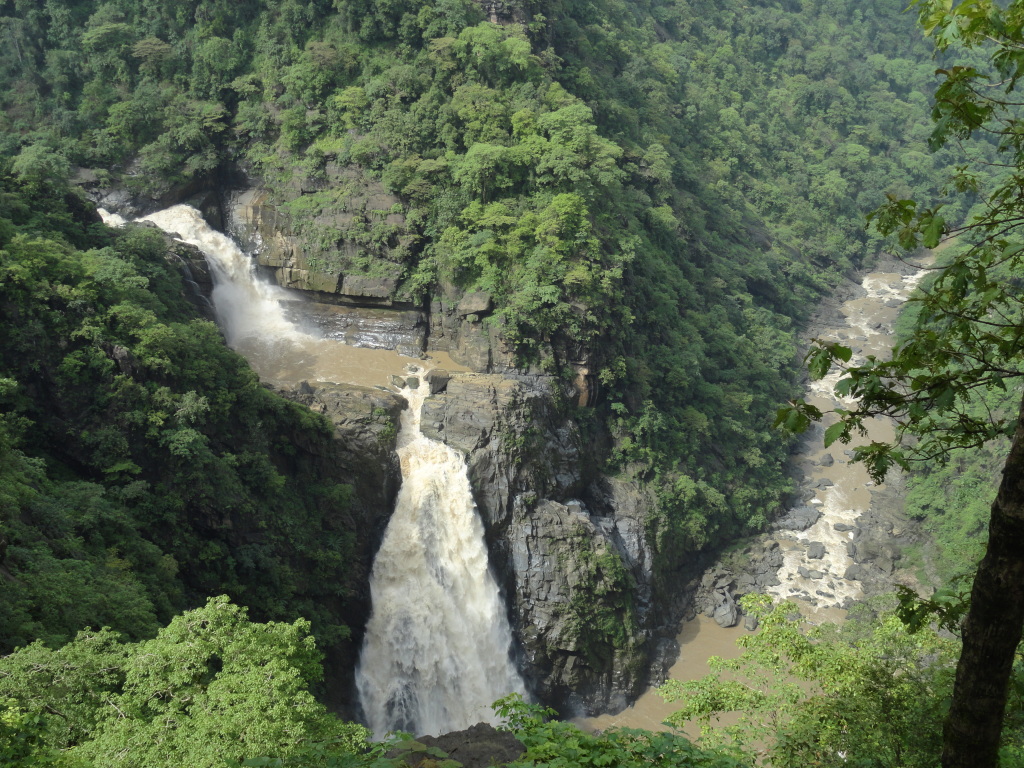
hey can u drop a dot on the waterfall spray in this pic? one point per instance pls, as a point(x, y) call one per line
point(436, 652)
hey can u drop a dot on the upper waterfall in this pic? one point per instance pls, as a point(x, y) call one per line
point(260, 319)
point(436, 652)
point(247, 308)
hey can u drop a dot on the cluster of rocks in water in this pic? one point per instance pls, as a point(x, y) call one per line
point(876, 542)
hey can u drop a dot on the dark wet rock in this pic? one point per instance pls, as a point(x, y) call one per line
point(437, 379)
point(726, 613)
point(555, 593)
point(546, 514)
point(815, 550)
point(827, 460)
point(798, 519)
point(403, 330)
point(663, 656)
point(479, 746)
point(854, 573)
point(750, 623)
point(843, 527)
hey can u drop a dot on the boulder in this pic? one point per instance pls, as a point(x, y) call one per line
point(726, 614)
point(798, 519)
point(478, 303)
point(854, 573)
point(479, 746)
point(437, 379)
point(815, 550)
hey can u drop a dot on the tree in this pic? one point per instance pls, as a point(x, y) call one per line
point(969, 336)
point(211, 686)
point(867, 694)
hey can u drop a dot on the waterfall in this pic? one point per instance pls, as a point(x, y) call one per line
point(436, 651)
point(256, 316)
point(248, 309)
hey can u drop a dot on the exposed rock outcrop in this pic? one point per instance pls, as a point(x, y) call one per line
point(365, 427)
point(569, 545)
point(325, 258)
point(366, 424)
point(479, 746)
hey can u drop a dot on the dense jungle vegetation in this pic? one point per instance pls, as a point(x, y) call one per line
point(661, 189)
point(143, 466)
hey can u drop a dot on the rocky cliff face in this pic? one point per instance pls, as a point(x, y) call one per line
point(365, 423)
point(568, 544)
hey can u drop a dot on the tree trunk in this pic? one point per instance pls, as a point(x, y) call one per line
point(992, 629)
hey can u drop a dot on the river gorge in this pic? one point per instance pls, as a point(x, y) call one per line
point(455, 610)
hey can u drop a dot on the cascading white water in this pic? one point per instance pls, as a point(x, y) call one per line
point(436, 652)
point(251, 313)
point(247, 308)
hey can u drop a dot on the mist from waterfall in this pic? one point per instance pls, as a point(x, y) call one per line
point(252, 314)
point(436, 651)
point(247, 308)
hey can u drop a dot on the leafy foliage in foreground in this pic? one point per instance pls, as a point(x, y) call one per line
point(869, 693)
point(551, 743)
point(142, 465)
point(210, 687)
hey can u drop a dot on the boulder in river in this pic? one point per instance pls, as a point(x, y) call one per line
point(726, 613)
point(798, 519)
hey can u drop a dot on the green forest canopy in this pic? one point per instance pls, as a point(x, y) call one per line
point(664, 188)
point(659, 188)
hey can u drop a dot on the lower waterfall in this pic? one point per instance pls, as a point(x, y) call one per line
point(436, 652)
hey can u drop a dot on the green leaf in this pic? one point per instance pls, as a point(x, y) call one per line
point(837, 431)
point(933, 231)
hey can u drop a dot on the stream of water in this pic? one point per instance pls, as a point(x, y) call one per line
point(251, 313)
point(845, 489)
point(436, 651)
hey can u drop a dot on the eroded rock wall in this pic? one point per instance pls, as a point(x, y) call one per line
point(568, 543)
